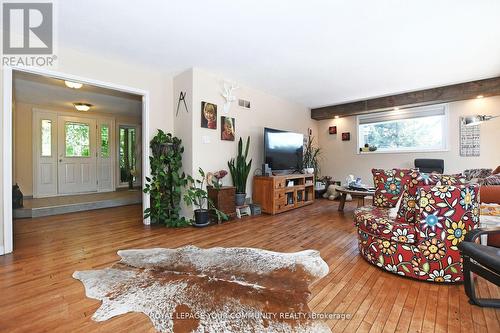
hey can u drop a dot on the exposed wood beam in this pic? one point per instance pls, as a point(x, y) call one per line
point(451, 93)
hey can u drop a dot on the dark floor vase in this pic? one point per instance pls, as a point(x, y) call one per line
point(240, 199)
point(201, 217)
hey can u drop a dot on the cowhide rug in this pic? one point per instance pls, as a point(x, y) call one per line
point(210, 290)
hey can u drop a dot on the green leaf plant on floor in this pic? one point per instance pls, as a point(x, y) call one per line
point(166, 182)
point(197, 196)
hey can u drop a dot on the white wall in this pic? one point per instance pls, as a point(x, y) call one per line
point(183, 123)
point(116, 71)
point(340, 158)
point(266, 111)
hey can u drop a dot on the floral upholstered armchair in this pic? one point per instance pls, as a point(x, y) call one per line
point(435, 214)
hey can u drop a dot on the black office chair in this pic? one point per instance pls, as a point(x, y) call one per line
point(429, 165)
point(482, 260)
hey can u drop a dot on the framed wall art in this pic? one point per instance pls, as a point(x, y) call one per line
point(208, 115)
point(469, 139)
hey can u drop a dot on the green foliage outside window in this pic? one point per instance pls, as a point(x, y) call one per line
point(416, 133)
point(128, 158)
point(104, 141)
point(77, 140)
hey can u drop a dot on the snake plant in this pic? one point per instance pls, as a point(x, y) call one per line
point(312, 155)
point(239, 168)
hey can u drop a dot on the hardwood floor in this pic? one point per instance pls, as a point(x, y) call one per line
point(38, 294)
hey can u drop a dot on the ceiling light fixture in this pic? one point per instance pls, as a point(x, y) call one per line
point(336, 117)
point(479, 96)
point(477, 119)
point(82, 106)
point(396, 108)
point(73, 85)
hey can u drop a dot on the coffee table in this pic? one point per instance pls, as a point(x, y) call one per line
point(490, 218)
point(360, 195)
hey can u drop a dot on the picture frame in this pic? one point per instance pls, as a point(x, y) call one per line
point(332, 130)
point(346, 136)
point(227, 128)
point(208, 115)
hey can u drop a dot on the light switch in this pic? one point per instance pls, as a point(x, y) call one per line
point(205, 139)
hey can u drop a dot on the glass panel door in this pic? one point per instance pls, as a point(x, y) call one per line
point(77, 150)
point(77, 139)
point(105, 156)
point(128, 156)
point(46, 131)
point(44, 140)
point(104, 141)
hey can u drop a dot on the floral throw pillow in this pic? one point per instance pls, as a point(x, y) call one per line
point(447, 212)
point(406, 212)
point(390, 184)
point(439, 179)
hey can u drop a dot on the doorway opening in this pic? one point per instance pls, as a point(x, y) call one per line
point(70, 159)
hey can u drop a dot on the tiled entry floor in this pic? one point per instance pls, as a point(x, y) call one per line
point(36, 207)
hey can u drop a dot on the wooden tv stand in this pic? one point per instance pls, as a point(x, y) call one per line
point(274, 194)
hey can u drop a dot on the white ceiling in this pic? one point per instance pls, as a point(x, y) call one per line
point(46, 91)
point(313, 52)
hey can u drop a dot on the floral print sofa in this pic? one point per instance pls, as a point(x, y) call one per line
point(435, 213)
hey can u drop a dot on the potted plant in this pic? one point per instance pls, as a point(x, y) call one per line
point(239, 169)
point(215, 178)
point(197, 196)
point(311, 157)
point(166, 181)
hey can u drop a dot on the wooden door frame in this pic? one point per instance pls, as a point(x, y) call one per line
point(7, 158)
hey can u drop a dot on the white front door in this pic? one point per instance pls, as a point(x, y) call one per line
point(105, 155)
point(77, 161)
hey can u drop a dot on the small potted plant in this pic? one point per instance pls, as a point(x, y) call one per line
point(197, 196)
point(215, 179)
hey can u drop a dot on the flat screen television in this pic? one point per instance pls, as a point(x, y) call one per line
point(283, 150)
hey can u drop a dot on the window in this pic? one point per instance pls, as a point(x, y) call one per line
point(128, 160)
point(416, 129)
point(105, 141)
point(46, 137)
point(77, 139)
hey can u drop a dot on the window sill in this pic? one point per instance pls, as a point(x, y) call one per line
point(402, 151)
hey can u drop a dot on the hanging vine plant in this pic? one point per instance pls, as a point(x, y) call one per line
point(166, 182)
